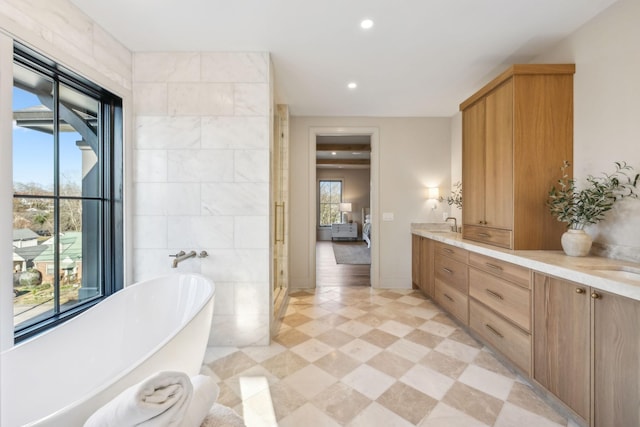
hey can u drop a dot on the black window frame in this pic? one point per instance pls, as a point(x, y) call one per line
point(111, 138)
point(319, 212)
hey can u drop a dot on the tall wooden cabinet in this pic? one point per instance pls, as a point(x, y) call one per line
point(422, 264)
point(516, 131)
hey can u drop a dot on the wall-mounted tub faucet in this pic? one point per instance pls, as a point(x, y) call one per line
point(182, 255)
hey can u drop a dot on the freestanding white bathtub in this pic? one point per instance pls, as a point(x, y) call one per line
point(62, 376)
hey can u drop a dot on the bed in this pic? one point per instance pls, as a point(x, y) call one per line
point(366, 226)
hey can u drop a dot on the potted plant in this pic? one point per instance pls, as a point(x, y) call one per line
point(581, 207)
point(455, 198)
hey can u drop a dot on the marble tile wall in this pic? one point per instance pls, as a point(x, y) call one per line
point(201, 182)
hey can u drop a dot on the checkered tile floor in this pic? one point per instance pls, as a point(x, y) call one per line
point(354, 356)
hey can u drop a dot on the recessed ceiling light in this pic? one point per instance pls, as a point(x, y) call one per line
point(333, 153)
point(366, 24)
point(356, 154)
point(352, 85)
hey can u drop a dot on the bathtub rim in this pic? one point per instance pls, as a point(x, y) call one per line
point(136, 363)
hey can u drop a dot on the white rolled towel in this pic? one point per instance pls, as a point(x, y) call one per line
point(161, 400)
point(205, 393)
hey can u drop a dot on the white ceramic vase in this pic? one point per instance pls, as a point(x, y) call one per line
point(576, 243)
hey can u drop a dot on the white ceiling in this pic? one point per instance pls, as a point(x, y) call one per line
point(421, 58)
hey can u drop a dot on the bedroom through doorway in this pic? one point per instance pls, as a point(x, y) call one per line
point(343, 193)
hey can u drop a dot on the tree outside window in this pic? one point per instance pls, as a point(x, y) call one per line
point(330, 196)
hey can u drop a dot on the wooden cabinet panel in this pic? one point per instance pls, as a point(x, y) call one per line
point(458, 254)
point(473, 151)
point(426, 267)
point(562, 341)
point(452, 300)
point(453, 272)
point(505, 270)
point(511, 301)
point(509, 340)
point(415, 261)
point(499, 157)
point(616, 361)
point(492, 236)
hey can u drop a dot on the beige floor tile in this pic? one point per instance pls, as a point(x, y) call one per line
point(396, 328)
point(489, 382)
point(379, 338)
point(284, 364)
point(315, 312)
point(227, 396)
point(355, 328)
point(231, 365)
point(409, 350)
point(341, 402)
point(262, 352)
point(291, 338)
point(391, 295)
point(428, 381)
point(444, 364)
point(368, 381)
point(309, 381)
point(351, 312)
point(308, 416)
point(406, 401)
point(523, 396)
point(487, 360)
point(444, 415)
point(437, 328)
point(512, 415)
point(464, 338)
point(458, 350)
point(390, 363)
point(373, 320)
point(314, 327)
point(334, 319)
point(377, 415)
point(423, 312)
point(411, 300)
point(473, 402)
point(424, 338)
point(360, 350)
point(409, 319)
point(335, 338)
point(337, 363)
point(312, 349)
point(296, 319)
point(285, 400)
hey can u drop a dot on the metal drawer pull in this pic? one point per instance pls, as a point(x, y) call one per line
point(595, 295)
point(484, 234)
point(448, 297)
point(486, 325)
point(447, 250)
point(495, 267)
point(494, 294)
point(447, 270)
point(579, 291)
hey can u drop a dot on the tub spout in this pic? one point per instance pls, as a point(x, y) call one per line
point(181, 256)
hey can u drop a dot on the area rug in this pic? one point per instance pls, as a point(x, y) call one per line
point(351, 253)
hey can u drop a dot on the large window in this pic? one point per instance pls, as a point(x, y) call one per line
point(330, 196)
point(67, 185)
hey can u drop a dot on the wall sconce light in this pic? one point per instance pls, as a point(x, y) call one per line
point(433, 193)
point(345, 208)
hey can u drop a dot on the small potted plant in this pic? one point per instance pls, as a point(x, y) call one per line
point(588, 205)
point(455, 198)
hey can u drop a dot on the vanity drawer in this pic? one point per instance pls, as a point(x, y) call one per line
point(511, 301)
point(453, 301)
point(514, 273)
point(506, 338)
point(491, 236)
point(452, 272)
point(450, 251)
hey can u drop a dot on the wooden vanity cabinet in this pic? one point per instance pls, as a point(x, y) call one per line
point(422, 264)
point(516, 133)
point(451, 280)
point(587, 350)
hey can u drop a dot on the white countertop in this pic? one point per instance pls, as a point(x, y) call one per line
point(555, 263)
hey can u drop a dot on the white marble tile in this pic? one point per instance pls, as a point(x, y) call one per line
point(355, 328)
point(489, 382)
point(262, 353)
point(167, 132)
point(235, 67)
point(314, 327)
point(428, 381)
point(360, 350)
point(199, 232)
point(409, 350)
point(150, 99)
point(200, 99)
point(72, 29)
point(377, 415)
point(166, 67)
point(437, 328)
point(368, 381)
point(251, 232)
point(149, 232)
point(458, 350)
point(251, 99)
point(248, 330)
point(251, 297)
point(150, 166)
point(309, 381)
point(200, 165)
point(167, 199)
point(150, 263)
point(112, 54)
point(312, 350)
point(224, 302)
point(444, 415)
point(237, 265)
point(213, 353)
point(308, 415)
point(235, 199)
point(512, 415)
point(235, 132)
point(251, 166)
point(395, 328)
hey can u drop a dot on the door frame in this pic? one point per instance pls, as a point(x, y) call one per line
point(374, 133)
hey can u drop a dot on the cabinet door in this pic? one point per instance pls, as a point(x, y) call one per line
point(616, 360)
point(415, 261)
point(473, 163)
point(499, 157)
point(426, 267)
point(561, 356)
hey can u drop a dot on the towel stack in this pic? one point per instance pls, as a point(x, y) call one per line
point(166, 399)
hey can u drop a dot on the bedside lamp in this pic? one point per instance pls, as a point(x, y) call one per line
point(345, 208)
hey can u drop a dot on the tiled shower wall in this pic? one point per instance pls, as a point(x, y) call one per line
point(201, 179)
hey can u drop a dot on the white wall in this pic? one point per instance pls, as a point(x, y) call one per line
point(414, 153)
point(201, 179)
point(606, 52)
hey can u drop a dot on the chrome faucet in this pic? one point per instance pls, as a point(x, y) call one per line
point(181, 256)
point(454, 228)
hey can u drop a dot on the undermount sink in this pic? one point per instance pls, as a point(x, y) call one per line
point(616, 271)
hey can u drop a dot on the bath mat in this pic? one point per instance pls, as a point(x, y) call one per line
point(222, 416)
point(351, 253)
